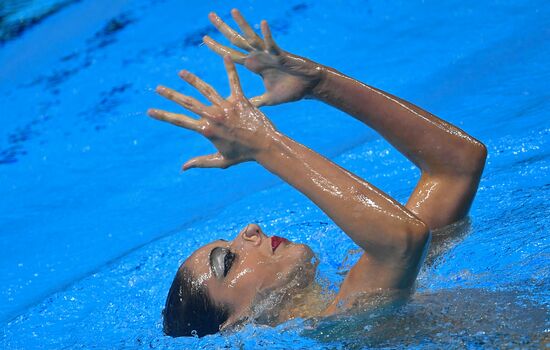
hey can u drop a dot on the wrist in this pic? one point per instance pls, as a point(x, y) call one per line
point(320, 88)
point(312, 73)
point(273, 145)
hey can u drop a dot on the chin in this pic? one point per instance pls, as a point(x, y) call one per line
point(305, 267)
point(272, 303)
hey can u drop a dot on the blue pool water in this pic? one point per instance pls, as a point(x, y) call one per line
point(95, 217)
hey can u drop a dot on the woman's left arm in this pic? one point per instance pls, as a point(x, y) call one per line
point(392, 237)
point(451, 161)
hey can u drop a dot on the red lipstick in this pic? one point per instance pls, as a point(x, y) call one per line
point(276, 241)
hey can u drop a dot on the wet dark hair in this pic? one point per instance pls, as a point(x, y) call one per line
point(189, 310)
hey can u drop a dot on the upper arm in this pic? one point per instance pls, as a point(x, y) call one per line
point(395, 270)
point(371, 276)
point(438, 200)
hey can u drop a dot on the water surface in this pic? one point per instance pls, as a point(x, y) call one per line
point(95, 217)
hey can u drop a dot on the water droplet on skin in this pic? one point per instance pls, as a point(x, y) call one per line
point(241, 274)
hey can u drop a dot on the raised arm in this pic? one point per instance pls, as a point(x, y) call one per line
point(451, 161)
point(391, 235)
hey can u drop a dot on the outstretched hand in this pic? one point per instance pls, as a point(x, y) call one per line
point(236, 128)
point(286, 77)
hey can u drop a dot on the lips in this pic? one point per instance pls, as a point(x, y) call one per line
point(276, 241)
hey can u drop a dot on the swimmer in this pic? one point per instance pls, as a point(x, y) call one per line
point(223, 283)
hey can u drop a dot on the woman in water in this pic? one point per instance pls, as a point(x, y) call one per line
point(223, 282)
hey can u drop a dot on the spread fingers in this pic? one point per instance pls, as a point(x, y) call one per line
point(176, 119)
point(253, 39)
point(269, 42)
point(234, 83)
point(185, 101)
point(222, 50)
point(208, 91)
point(234, 37)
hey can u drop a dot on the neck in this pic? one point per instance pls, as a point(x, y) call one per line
point(305, 303)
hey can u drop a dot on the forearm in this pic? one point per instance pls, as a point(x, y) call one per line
point(429, 142)
point(374, 221)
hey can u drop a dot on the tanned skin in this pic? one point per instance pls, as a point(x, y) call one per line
point(394, 237)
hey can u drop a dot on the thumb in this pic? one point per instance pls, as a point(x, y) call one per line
point(259, 101)
point(215, 160)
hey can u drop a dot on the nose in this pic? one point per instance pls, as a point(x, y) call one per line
point(252, 233)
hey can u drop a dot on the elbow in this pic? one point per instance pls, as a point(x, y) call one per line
point(466, 159)
point(404, 245)
point(479, 156)
point(469, 160)
point(415, 239)
point(419, 235)
point(476, 157)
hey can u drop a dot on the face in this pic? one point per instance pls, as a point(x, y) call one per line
point(252, 264)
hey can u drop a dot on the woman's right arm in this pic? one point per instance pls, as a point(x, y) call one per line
point(376, 222)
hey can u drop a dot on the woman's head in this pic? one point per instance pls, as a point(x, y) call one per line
point(221, 282)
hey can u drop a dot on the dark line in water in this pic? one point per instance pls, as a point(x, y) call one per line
point(14, 29)
point(51, 81)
